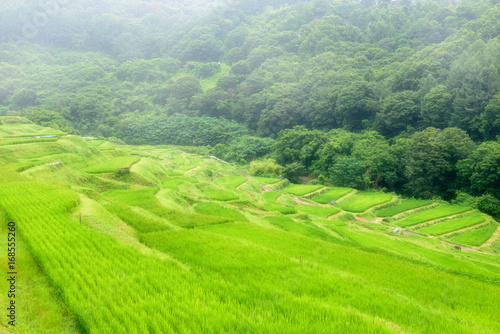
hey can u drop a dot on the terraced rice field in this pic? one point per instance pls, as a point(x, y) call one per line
point(332, 195)
point(113, 164)
point(402, 206)
point(431, 214)
point(318, 210)
point(301, 189)
point(215, 209)
point(231, 182)
point(164, 257)
point(363, 201)
point(452, 225)
point(474, 237)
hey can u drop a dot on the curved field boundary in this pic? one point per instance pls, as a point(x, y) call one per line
point(493, 238)
point(301, 201)
point(416, 210)
point(464, 248)
point(375, 207)
point(354, 191)
point(192, 170)
point(465, 229)
point(316, 192)
point(440, 220)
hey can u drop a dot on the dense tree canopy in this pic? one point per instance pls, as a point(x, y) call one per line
point(401, 95)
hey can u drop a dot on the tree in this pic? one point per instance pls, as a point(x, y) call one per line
point(437, 106)
point(298, 145)
point(400, 110)
point(24, 98)
point(479, 172)
point(355, 103)
point(430, 161)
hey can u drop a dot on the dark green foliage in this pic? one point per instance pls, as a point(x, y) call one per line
point(243, 149)
point(180, 130)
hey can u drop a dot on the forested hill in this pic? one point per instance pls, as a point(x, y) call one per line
point(410, 89)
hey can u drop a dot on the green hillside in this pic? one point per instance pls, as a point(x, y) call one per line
point(129, 240)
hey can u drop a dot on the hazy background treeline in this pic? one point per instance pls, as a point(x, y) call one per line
point(396, 94)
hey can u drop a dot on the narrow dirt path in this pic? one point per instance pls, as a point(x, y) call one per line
point(464, 248)
point(244, 174)
point(301, 201)
point(193, 170)
point(266, 188)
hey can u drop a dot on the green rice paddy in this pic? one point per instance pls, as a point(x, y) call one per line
point(300, 189)
point(165, 250)
point(402, 206)
point(431, 214)
point(474, 237)
point(332, 195)
point(452, 225)
point(363, 201)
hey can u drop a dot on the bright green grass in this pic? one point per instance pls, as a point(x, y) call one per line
point(37, 134)
point(231, 182)
point(301, 189)
point(270, 196)
point(362, 201)
point(145, 198)
point(139, 221)
point(402, 206)
point(318, 210)
point(267, 180)
point(26, 141)
point(285, 210)
point(452, 225)
point(332, 195)
point(113, 164)
point(435, 213)
point(474, 237)
point(215, 209)
point(305, 228)
point(218, 194)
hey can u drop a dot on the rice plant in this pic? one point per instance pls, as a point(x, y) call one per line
point(432, 214)
point(333, 194)
point(474, 237)
point(402, 206)
point(452, 225)
point(363, 201)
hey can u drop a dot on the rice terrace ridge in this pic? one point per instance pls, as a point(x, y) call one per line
point(183, 243)
point(249, 166)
